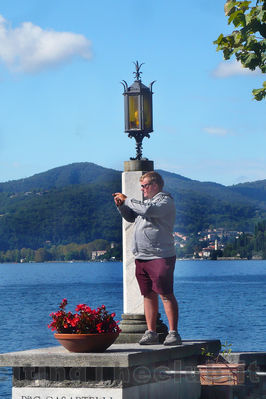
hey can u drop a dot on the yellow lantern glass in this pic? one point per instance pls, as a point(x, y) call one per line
point(147, 112)
point(133, 112)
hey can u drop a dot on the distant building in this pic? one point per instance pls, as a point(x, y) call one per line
point(206, 252)
point(181, 236)
point(96, 254)
point(211, 236)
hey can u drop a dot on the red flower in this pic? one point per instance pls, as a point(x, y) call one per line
point(63, 303)
point(85, 321)
point(80, 308)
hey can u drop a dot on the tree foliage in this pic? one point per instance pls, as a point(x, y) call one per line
point(248, 41)
point(69, 252)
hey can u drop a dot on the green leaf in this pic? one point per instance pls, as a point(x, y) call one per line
point(259, 94)
point(229, 7)
point(240, 20)
point(245, 5)
point(249, 60)
point(238, 37)
point(219, 40)
point(227, 53)
point(233, 16)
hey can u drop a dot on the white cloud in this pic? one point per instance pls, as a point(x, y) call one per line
point(218, 131)
point(29, 49)
point(234, 68)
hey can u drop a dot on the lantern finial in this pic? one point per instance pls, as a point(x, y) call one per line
point(137, 73)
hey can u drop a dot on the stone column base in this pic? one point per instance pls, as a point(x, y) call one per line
point(133, 327)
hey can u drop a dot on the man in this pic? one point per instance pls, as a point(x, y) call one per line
point(154, 251)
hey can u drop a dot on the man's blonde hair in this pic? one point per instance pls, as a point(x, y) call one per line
point(153, 177)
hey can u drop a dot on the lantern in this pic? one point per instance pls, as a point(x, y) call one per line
point(138, 110)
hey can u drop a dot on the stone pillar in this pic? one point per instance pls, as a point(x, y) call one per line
point(133, 323)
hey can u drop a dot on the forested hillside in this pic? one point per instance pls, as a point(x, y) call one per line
point(249, 245)
point(80, 214)
point(73, 204)
point(204, 204)
point(255, 191)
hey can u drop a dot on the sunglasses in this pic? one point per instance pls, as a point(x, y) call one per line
point(145, 185)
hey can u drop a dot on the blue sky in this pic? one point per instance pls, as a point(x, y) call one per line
point(61, 64)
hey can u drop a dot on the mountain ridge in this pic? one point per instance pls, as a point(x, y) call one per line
point(75, 173)
point(71, 172)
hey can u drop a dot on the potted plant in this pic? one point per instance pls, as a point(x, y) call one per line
point(87, 330)
point(218, 371)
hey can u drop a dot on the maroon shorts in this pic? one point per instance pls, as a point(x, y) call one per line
point(155, 275)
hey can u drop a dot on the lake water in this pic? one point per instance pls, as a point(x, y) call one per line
point(224, 300)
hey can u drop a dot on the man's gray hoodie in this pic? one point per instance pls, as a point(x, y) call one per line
point(154, 222)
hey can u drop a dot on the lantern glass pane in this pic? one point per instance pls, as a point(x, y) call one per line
point(133, 112)
point(147, 112)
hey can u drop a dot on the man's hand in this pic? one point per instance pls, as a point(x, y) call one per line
point(119, 198)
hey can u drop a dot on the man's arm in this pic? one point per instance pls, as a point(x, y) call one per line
point(158, 207)
point(128, 214)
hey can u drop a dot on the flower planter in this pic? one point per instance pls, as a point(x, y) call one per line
point(88, 330)
point(87, 342)
point(222, 374)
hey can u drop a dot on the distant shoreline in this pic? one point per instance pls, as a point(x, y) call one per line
point(218, 259)
point(120, 261)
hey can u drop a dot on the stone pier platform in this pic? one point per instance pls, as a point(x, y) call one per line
point(123, 371)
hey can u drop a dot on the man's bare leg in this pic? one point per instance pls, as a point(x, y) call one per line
point(151, 310)
point(171, 310)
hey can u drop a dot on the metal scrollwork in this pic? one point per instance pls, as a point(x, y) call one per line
point(137, 73)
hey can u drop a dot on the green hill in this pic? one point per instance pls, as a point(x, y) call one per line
point(73, 203)
point(73, 174)
point(256, 191)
